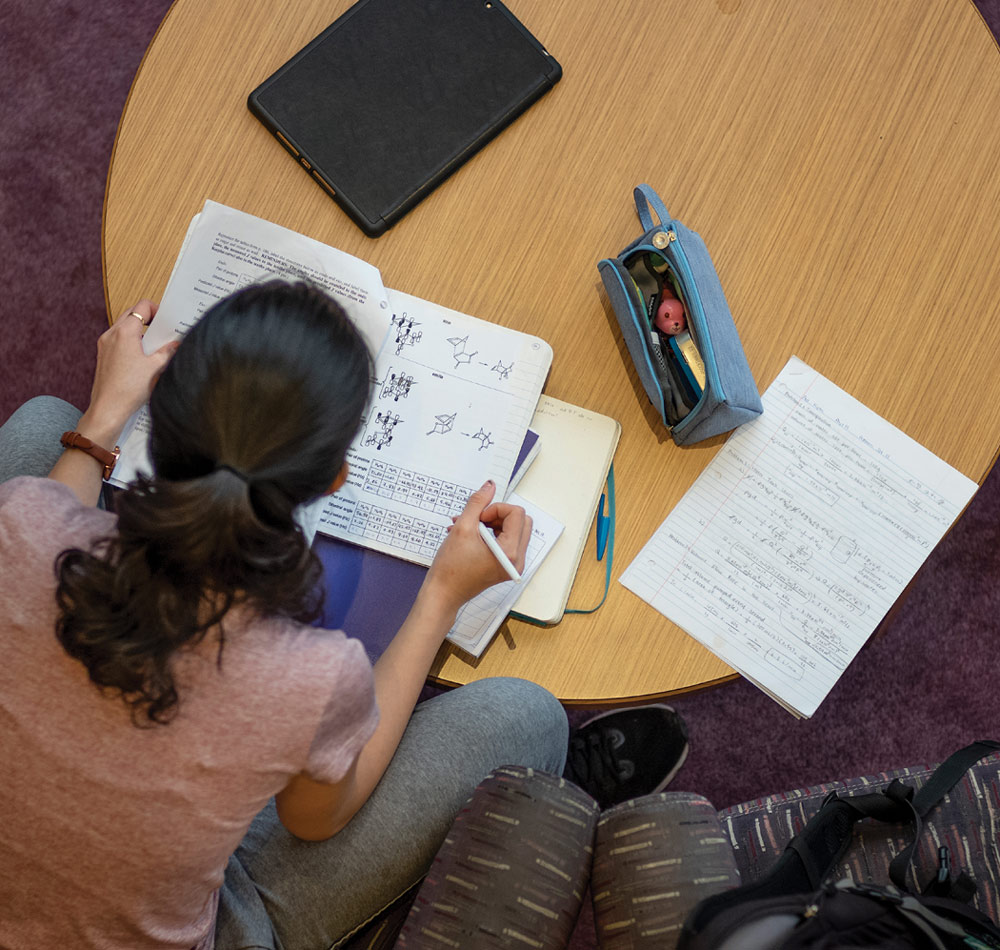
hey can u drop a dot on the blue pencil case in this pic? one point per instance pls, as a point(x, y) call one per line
point(698, 380)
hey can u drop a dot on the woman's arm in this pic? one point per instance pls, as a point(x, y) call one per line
point(464, 566)
point(123, 379)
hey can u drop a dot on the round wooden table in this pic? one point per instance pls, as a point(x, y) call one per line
point(840, 161)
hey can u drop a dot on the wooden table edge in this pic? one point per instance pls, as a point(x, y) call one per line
point(111, 163)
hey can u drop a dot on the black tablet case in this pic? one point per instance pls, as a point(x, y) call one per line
point(396, 94)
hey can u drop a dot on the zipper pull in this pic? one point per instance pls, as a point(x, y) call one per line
point(662, 238)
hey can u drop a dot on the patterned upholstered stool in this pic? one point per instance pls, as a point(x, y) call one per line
point(512, 872)
point(654, 859)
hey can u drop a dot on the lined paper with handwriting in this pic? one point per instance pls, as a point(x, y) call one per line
point(798, 537)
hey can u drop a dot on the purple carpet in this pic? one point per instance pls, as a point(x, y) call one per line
point(926, 683)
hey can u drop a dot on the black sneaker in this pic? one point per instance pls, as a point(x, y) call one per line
point(626, 753)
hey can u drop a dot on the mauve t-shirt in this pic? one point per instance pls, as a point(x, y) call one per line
point(116, 836)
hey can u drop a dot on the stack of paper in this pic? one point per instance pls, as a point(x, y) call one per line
point(452, 395)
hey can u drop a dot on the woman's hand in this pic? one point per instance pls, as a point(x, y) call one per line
point(123, 380)
point(464, 566)
point(124, 376)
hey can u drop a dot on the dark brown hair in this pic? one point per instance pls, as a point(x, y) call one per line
point(252, 417)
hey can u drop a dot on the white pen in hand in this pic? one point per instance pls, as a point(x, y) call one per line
point(491, 542)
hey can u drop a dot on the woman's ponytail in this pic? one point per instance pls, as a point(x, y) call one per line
point(252, 417)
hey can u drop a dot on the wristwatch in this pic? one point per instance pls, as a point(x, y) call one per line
point(73, 440)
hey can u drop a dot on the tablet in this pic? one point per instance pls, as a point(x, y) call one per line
point(396, 94)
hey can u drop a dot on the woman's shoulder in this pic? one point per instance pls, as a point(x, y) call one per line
point(31, 491)
point(41, 508)
point(27, 488)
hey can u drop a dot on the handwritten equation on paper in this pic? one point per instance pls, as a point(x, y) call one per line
point(798, 537)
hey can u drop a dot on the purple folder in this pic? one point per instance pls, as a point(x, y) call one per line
point(368, 593)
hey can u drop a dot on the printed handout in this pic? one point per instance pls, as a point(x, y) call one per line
point(452, 395)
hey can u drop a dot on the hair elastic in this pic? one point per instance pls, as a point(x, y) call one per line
point(229, 468)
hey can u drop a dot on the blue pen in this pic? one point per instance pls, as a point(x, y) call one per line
point(603, 523)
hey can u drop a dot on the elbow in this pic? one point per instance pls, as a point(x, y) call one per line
point(316, 811)
point(311, 833)
point(312, 827)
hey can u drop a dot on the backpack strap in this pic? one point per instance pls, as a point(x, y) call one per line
point(801, 868)
point(946, 776)
point(898, 804)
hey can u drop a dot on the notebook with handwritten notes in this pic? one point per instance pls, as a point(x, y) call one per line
point(798, 537)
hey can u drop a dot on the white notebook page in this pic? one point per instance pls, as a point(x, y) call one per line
point(798, 537)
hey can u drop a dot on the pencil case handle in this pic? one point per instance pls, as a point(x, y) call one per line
point(646, 198)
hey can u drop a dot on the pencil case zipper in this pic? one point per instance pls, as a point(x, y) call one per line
point(638, 313)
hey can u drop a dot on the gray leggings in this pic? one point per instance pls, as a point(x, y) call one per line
point(281, 892)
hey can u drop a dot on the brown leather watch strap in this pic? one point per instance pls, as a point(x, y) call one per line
point(73, 440)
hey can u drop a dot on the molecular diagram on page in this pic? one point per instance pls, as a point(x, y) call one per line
point(443, 424)
point(484, 438)
point(407, 333)
point(379, 432)
point(395, 386)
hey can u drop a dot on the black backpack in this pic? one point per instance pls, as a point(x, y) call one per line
point(794, 907)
